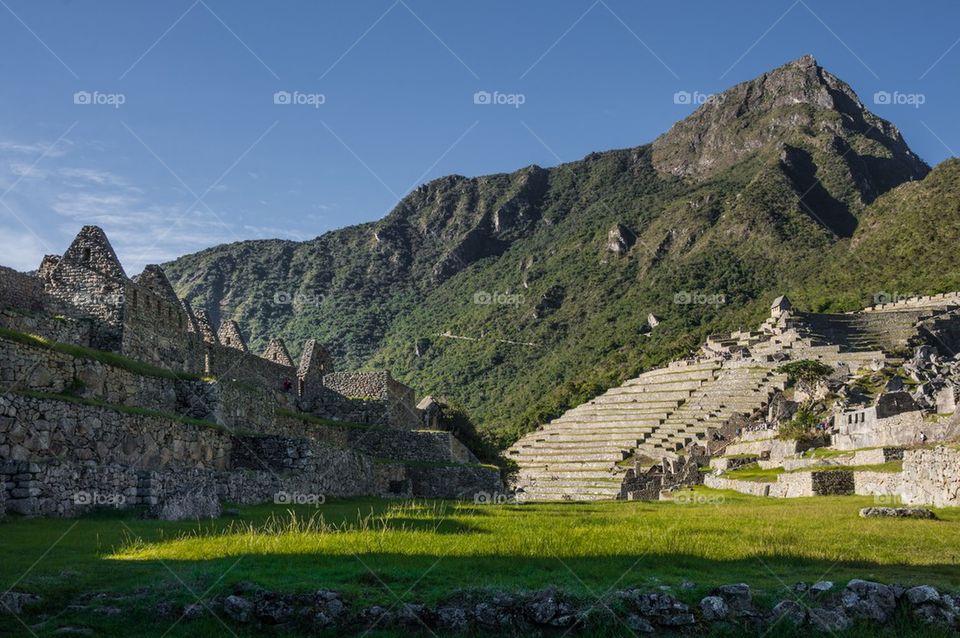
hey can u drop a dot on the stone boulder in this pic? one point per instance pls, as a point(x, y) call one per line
point(896, 512)
point(869, 600)
point(14, 602)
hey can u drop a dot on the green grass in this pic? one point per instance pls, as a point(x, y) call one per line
point(756, 473)
point(90, 354)
point(362, 547)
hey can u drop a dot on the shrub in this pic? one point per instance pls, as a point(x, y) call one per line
point(805, 370)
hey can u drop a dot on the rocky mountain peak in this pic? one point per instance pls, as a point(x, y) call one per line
point(799, 104)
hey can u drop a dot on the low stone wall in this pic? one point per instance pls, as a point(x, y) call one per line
point(231, 364)
point(755, 488)
point(55, 328)
point(409, 445)
point(25, 367)
point(373, 398)
point(469, 483)
point(790, 484)
point(878, 484)
point(36, 429)
point(931, 477)
point(832, 483)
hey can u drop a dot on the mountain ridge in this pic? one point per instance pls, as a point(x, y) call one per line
point(699, 211)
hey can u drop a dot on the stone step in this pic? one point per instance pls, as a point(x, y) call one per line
point(610, 422)
point(649, 386)
point(561, 466)
point(642, 397)
point(550, 457)
point(609, 439)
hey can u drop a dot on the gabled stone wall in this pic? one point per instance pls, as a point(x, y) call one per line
point(156, 330)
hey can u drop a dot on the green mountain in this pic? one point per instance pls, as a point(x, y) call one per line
point(517, 295)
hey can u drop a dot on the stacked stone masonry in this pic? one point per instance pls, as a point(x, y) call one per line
point(115, 392)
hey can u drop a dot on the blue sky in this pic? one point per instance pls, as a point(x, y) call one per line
point(181, 124)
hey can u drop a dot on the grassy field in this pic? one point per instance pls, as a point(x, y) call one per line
point(377, 551)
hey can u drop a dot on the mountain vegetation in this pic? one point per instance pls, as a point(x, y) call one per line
point(515, 296)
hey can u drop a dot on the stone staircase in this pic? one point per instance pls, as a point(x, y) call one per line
point(578, 455)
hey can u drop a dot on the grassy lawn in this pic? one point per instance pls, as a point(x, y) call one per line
point(368, 548)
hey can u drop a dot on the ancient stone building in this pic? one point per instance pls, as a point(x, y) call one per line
point(113, 385)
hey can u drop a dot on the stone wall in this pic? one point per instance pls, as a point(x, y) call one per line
point(62, 458)
point(25, 367)
point(36, 429)
point(878, 484)
point(833, 483)
point(930, 477)
point(20, 290)
point(155, 330)
point(81, 292)
point(236, 365)
point(865, 430)
point(409, 445)
point(373, 398)
point(51, 327)
point(461, 482)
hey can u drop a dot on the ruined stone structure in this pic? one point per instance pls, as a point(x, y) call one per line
point(115, 391)
point(637, 440)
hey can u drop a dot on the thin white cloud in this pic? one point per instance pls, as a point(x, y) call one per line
point(21, 250)
point(36, 148)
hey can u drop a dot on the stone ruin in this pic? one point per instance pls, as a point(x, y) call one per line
point(115, 392)
point(720, 409)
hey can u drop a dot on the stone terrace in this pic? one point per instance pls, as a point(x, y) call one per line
point(580, 455)
point(655, 415)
